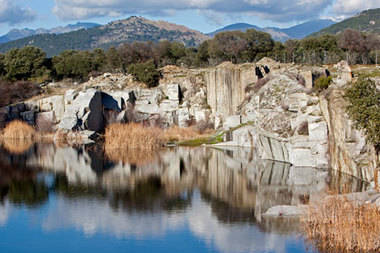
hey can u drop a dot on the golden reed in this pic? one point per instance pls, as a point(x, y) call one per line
point(341, 225)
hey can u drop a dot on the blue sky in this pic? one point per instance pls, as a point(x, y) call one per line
point(203, 15)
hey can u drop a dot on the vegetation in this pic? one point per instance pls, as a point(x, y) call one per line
point(364, 108)
point(145, 72)
point(14, 92)
point(144, 59)
point(136, 144)
point(341, 225)
point(322, 83)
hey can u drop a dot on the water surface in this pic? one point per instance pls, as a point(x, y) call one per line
point(64, 199)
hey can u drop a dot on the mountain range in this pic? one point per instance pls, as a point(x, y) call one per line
point(281, 34)
point(367, 21)
point(84, 36)
point(112, 34)
point(16, 34)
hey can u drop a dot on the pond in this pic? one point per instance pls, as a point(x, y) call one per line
point(76, 199)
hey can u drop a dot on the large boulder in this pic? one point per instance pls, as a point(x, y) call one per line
point(86, 107)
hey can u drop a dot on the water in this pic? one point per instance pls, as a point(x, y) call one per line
point(181, 200)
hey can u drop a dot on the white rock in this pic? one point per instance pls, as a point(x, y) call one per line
point(284, 211)
point(232, 121)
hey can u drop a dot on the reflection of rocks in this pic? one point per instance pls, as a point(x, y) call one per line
point(5, 210)
point(233, 176)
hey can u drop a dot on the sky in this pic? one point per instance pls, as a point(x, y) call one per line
point(202, 15)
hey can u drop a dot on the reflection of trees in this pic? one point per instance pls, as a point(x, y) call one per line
point(227, 213)
point(149, 195)
point(62, 186)
point(29, 192)
point(18, 183)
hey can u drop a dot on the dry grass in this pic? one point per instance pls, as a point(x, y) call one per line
point(19, 130)
point(175, 134)
point(340, 225)
point(132, 143)
point(133, 136)
point(136, 144)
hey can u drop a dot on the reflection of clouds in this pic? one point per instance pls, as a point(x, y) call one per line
point(4, 213)
point(96, 216)
point(231, 238)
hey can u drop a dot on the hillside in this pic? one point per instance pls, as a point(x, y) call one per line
point(281, 34)
point(112, 34)
point(303, 30)
point(16, 34)
point(235, 27)
point(366, 21)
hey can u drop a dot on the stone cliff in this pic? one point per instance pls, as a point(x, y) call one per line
point(269, 107)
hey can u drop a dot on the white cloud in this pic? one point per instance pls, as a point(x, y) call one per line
point(13, 14)
point(350, 7)
point(93, 216)
point(276, 10)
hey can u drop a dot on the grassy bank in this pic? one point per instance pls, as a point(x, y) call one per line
point(340, 225)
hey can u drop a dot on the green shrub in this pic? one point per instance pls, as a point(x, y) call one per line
point(145, 72)
point(364, 108)
point(322, 83)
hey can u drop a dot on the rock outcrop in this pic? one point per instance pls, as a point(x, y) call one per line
point(268, 106)
point(348, 150)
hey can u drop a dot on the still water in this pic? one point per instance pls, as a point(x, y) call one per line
point(64, 199)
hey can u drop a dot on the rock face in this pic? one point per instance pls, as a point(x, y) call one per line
point(349, 151)
point(226, 86)
point(267, 106)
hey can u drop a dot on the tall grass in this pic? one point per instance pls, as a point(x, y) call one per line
point(137, 144)
point(340, 225)
point(133, 136)
point(19, 130)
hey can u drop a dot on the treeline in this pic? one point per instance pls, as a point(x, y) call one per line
point(142, 59)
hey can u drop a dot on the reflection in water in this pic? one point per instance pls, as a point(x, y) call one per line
point(218, 195)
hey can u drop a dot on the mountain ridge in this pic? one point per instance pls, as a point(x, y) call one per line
point(281, 34)
point(16, 34)
point(132, 29)
point(366, 21)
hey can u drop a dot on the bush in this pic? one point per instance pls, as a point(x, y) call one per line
point(19, 91)
point(364, 108)
point(145, 72)
point(322, 83)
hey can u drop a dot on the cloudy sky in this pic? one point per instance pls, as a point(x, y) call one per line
point(203, 15)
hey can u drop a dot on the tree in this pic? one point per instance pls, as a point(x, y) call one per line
point(24, 63)
point(73, 64)
point(145, 72)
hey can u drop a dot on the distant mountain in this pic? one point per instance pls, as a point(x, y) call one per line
point(366, 21)
point(235, 27)
point(307, 28)
point(113, 34)
point(282, 34)
point(16, 34)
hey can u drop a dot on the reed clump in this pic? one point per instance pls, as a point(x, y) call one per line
point(137, 144)
point(175, 134)
point(340, 225)
point(133, 136)
point(19, 130)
